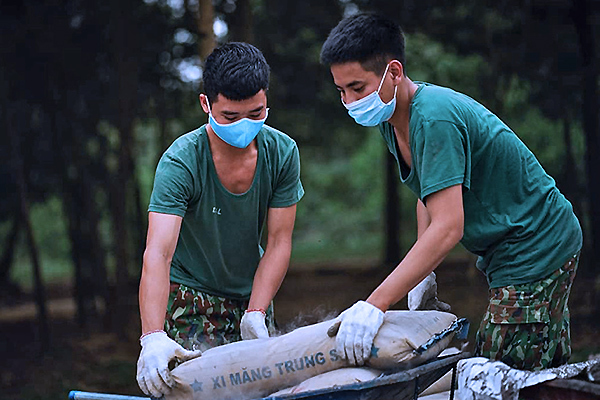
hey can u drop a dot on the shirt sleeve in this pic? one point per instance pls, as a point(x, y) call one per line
point(441, 150)
point(288, 188)
point(173, 187)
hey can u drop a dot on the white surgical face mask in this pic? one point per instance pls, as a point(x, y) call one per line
point(371, 110)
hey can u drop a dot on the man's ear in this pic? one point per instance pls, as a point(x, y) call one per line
point(397, 70)
point(204, 103)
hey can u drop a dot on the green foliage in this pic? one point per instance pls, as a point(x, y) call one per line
point(430, 61)
point(50, 233)
point(340, 215)
point(342, 212)
point(544, 136)
point(146, 157)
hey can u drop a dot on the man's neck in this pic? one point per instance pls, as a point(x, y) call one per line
point(235, 167)
point(400, 118)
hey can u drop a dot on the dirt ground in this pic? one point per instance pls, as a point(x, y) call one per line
point(98, 361)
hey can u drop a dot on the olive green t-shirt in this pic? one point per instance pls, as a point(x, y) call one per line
point(218, 250)
point(515, 219)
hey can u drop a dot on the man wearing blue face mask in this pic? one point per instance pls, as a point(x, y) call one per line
point(206, 281)
point(476, 183)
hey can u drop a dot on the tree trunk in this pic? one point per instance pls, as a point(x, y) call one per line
point(140, 221)
point(78, 194)
point(70, 129)
point(96, 276)
point(38, 284)
point(125, 62)
point(591, 123)
point(163, 139)
point(206, 35)
point(9, 250)
point(569, 183)
point(392, 212)
point(91, 279)
point(241, 26)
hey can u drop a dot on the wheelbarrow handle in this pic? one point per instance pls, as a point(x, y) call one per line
point(78, 395)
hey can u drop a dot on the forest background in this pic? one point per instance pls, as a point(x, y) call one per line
point(92, 92)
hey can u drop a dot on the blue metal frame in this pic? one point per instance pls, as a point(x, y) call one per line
point(79, 395)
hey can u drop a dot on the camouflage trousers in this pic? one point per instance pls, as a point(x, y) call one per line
point(527, 326)
point(200, 321)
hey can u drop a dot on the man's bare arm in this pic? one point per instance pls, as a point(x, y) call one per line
point(274, 264)
point(163, 233)
point(444, 231)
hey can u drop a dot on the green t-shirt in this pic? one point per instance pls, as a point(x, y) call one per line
point(515, 219)
point(218, 250)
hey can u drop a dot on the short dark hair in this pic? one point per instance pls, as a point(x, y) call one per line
point(236, 70)
point(368, 38)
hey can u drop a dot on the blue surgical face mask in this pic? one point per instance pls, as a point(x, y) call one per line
point(371, 110)
point(239, 133)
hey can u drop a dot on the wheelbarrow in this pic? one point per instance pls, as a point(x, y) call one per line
point(392, 385)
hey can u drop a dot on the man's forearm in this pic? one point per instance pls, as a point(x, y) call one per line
point(270, 273)
point(425, 255)
point(154, 292)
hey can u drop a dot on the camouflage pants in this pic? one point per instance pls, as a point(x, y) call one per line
point(200, 321)
point(527, 326)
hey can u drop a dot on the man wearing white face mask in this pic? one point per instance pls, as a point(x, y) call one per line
point(206, 281)
point(476, 183)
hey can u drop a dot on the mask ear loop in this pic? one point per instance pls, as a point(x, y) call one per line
point(381, 83)
point(208, 104)
point(382, 78)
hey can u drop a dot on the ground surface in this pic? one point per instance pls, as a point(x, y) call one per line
point(97, 361)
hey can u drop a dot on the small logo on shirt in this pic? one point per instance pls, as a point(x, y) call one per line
point(216, 210)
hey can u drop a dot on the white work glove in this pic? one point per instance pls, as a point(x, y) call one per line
point(424, 296)
point(356, 328)
point(153, 375)
point(253, 325)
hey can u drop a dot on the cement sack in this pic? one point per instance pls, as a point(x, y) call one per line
point(444, 384)
point(331, 379)
point(254, 368)
point(347, 376)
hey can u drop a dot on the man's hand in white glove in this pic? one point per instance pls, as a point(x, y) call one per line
point(153, 375)
point(424, 296)
point(253, 325)
point(358, 326)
